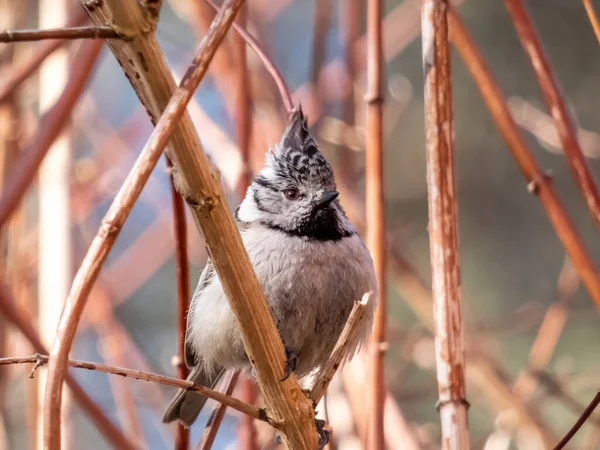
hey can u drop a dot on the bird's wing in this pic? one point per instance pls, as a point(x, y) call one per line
point(207, 275)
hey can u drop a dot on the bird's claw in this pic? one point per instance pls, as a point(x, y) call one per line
point(290, 364)
point(324, 435)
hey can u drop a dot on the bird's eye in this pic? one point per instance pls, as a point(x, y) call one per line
point(291, 194)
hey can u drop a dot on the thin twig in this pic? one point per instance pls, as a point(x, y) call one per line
point(183, 293)
point(549, 85)
point(50, 127)
point(376, 229)
point(22, 71)
point(340, 351)
point(254, 411)
point(443, 227)
point(216, 417)
point(198, 182)
point(104, 32)
point(255, 46)
point(589, 9)
point(584, 416)
point(24, 324)
point(539, 183)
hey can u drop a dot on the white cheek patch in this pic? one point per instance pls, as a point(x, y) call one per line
point(248, 212)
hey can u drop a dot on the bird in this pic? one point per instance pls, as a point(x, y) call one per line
point(309, 259)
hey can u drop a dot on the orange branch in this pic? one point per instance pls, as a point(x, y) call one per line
point(538, 182)
point(376, 230)
point(562, 121)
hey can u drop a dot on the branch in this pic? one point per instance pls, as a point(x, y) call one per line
point(104, 32)
point(556, 104)
point(216, 417)
point(589, 9)
point(584, 417)
point(24, 324)
point(538, 182)
point(50, 127)
point(251, 410)
point(340, 351)
point(375, 213)
point(443, 226)
point(199, 184)
point(255, 46)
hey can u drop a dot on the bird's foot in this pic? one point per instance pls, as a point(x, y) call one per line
point(290, 364)
point(324, 435)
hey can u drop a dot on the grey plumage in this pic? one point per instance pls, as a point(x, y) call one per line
point(309, 260)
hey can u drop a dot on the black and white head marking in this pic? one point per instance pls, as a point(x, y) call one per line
point(295, 192)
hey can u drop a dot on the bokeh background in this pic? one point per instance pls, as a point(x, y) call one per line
point(515, 275)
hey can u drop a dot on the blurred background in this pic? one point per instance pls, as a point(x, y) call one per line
point(532, 334)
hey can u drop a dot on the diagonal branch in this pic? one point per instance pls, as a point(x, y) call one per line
point(584, 417)
point(538, 182)
point(589, 9)
point(564, 126)
point(340, 351)
point(104, 32)
point(199, 184)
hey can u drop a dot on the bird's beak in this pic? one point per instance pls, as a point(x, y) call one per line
point(325, 199)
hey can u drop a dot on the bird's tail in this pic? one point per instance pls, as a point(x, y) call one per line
point(186, 405)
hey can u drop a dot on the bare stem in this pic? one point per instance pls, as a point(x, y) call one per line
point(40, 360)
point(59, 33)
point(183, 293)
point(443, 227)
point(562, 121)
point(376, 229)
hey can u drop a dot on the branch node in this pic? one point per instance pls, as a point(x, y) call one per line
point(453, 401)
point(533, 187)
point(39, 361)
